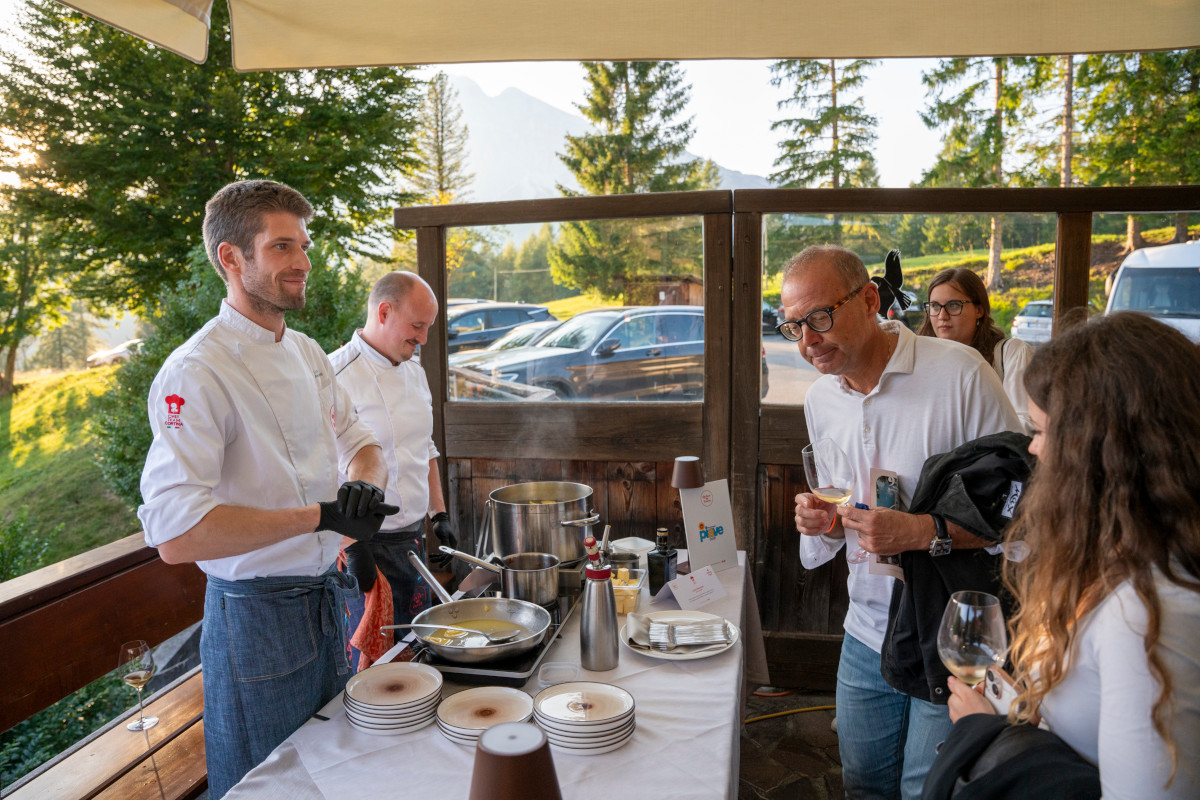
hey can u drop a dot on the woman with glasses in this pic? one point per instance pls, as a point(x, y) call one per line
point(959, 310)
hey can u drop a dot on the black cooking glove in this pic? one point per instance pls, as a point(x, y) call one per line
point(360, 528)
point(445, 535)
point(357, 498)
point(361, 564)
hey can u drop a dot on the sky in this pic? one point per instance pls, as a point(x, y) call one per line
point(733, 105)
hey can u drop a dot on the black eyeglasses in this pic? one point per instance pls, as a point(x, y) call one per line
point(953, 308)
point(818, 321)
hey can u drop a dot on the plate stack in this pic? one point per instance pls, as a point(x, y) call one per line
point(464, 716)
point(390, 699)
point(583, 718)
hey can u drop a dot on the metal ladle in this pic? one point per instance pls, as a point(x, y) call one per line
point(499, 636)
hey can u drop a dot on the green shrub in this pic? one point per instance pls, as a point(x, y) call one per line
point(336, 305)
point(22, 549)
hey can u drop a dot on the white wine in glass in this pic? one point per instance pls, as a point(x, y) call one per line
point(972, 637)
point(831, 478)
point(136, 665)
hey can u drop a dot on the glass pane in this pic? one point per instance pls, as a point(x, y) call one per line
point(1020, 296)
point(590, 311)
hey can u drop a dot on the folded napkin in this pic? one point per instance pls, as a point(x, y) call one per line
point(637, 636)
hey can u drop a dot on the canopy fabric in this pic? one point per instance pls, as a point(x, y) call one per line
point(298, 34)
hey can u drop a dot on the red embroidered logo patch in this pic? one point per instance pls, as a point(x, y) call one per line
point(174, 410)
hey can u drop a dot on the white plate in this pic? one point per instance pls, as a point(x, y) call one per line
point(599, 740)
point(591, 751)
point(393, 712)
point(391, 731)
point(583, 703)
point(585, 729)
point(677, 617)
point(371, 722)
point(484, 706)
point(466, 741)
point(396, 684)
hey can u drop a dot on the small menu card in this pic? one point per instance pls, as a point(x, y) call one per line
point(708, 523)
point(694, 590)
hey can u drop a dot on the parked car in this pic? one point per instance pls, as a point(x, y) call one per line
point(770, 320)
point(520, 336)
point(1032, 324)
point(629, 353)
point(1163, 282)
point(474, 326)
point(462, 301)
point(122, 352)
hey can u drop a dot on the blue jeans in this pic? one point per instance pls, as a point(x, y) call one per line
point(887, 739)
point(273, 651)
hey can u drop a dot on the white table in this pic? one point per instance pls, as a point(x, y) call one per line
point(686, 743)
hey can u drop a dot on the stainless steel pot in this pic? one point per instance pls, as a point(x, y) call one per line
point(551, 517)
point(527, 615)
point(523, 576)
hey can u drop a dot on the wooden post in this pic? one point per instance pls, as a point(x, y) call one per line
point(1072, 265)
point(431, 265)
point(746, 374)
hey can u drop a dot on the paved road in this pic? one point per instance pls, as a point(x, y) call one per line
point(790, 375)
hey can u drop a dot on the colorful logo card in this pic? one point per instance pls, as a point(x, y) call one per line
point(708, 522)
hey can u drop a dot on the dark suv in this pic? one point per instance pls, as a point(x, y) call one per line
point(475, 326)
point(630, 353)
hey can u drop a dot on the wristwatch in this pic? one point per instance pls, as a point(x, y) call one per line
point(941, 542)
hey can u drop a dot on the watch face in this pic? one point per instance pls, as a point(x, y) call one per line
point(939, 547)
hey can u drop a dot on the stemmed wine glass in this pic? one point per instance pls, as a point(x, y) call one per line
point(972, 637)
point(831, 478)
point(136, 664)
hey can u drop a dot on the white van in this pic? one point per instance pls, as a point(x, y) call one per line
point(1163, 282)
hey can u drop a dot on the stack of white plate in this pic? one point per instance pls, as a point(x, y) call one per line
point(390, 699)
point(464, 716)
point(583, 718)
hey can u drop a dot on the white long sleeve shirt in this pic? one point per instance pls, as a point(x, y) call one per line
point(395, 402)
point(933, 396)
point(1102, 706)
point(242, 420)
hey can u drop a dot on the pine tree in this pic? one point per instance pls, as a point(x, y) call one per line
point(637, 145)
point(829, 147)
point(442, 140)
point(977, 101)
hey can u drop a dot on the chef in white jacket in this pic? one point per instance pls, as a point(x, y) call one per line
point(388, 388)
point(250, 429)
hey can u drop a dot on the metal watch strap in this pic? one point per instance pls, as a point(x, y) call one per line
point(941, 543)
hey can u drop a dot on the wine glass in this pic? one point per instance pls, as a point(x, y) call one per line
point(831, 478)
point(972, 637)
point(136, 664)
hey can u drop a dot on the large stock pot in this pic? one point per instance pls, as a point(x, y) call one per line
point(541, 517)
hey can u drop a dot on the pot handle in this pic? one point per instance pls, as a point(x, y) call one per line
point(433, 582)
point(486, 529)
point(580, 523)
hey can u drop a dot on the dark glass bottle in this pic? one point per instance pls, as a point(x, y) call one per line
point(661, 563)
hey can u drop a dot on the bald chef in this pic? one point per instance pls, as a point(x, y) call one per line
point(250, 428)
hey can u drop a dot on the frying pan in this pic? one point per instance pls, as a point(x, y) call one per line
point(532, 617)
point(524, 576)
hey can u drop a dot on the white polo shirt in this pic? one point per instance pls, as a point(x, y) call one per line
point(242, 420)
point(395, 402)
point(933, 396)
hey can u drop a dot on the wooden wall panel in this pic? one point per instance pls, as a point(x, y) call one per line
point(632, 498)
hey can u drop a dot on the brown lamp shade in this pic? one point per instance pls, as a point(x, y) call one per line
point(688, 474)
point(513, 762)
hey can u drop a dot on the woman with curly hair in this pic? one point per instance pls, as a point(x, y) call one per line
point(1106, 644)
point(959, 310)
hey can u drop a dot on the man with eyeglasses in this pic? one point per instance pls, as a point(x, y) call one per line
point(890, 400)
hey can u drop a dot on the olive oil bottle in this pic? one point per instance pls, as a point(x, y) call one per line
point(661, 563)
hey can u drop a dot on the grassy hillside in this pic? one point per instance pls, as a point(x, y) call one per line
point(47, 463)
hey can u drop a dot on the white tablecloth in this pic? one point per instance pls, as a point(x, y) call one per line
point(685, 745)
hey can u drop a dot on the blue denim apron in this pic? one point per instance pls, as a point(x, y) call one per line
point(273, 651)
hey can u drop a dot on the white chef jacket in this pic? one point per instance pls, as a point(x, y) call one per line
point(933, 396)
point(395, 402)
point(242, 420)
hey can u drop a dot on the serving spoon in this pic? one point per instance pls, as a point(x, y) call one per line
point(496, 637)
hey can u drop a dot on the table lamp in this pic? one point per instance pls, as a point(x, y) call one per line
point(513, 762)
point(688, 474)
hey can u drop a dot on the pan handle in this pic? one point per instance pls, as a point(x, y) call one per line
point(433, 582)
point(479, 562)
point(580, 523)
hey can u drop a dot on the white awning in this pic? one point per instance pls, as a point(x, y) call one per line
point(296, 34)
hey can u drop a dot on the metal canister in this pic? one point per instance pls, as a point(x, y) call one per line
point(598, 623)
